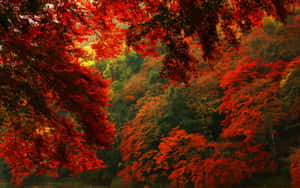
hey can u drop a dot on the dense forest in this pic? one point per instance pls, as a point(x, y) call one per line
point(150, 94)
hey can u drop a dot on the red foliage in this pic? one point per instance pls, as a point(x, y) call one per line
point(40, 78)
point(138, 137)
point(251, 106)
point(192, 159)
point(156, 22)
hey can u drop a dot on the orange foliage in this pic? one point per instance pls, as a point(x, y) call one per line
point(137, 137)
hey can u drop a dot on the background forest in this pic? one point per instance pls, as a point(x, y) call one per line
point(233, 121)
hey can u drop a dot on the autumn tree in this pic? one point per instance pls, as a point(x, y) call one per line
point(140, 137)
point(40, 75)
point(247, 91)
point(122, 71)
point(170, 23)
point(274, 40)
point(253, 109)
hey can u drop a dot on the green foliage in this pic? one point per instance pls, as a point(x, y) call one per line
point(178, 112)
point(4, 171)
point(122, 67)
point(274, 40)
point(117, 85)
point(153, 76)
point(290, 87)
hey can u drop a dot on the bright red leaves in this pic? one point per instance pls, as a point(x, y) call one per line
point(53, 110)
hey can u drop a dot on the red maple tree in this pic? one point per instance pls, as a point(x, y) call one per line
point(53, 108)
point(41, 75)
